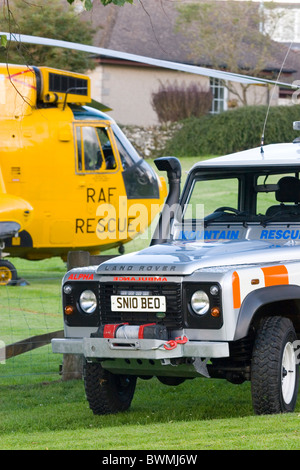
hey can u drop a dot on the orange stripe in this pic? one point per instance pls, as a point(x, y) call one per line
point(275, 275)
point(20, 73)
point(236, 290)
point(12, 77)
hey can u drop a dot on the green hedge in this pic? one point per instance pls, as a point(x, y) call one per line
point(234, 130)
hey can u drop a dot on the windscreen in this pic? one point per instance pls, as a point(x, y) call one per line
point(254, 204)
point(139, 178)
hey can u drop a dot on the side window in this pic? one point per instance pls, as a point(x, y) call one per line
point(94, 150)
point(269, 192)
point(266, 199)
point(79, 148)
point(106, 148)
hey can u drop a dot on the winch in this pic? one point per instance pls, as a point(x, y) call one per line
point(126, 331)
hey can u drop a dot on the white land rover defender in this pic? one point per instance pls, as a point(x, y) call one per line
point(216, 294)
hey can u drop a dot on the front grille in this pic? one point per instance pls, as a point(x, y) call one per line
point(172, 292)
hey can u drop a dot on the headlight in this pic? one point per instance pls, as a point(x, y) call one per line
point(200, 302)
point(88, 302)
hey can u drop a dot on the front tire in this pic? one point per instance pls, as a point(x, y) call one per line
point(274, 372)
point(8, 273)
point(107, 393)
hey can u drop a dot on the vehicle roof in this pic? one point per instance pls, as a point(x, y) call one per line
point(273, 155)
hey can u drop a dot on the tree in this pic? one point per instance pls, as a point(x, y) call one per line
point(230, 35)
point(88, 4)
point(55, 19)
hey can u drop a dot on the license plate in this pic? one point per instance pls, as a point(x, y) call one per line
point(147, 303)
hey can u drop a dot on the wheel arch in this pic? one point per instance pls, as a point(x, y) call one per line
point(268, 301)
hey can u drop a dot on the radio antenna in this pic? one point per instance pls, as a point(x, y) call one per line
point(262, 141)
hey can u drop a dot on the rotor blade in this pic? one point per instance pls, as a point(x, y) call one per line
point(102, 107)
point(234, 77)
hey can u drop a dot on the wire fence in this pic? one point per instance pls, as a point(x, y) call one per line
point(30, 312)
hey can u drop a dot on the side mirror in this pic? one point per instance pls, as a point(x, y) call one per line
point(171, 165)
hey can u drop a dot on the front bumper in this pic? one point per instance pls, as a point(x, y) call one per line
point(110, 348)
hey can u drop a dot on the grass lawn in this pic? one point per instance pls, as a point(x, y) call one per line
point(197, 415)
point(40, 411)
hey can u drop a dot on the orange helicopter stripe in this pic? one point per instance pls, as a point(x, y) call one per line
point(12, 77)
point(25, 84)
point(19, 73)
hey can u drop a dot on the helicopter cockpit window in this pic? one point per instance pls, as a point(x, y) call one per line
point(94, 150)
point(107, 151)
point(139, 178)
point(93, 158)
point(79, 148)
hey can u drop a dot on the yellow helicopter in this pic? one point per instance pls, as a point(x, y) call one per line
point(69, 178)
point(54, 196)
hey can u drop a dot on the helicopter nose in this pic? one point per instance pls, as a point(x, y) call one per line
point(14, 209)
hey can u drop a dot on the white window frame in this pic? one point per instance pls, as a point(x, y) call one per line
point(220, 95)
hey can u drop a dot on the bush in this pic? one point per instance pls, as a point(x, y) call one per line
point(173, 102)
point(234, 130)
